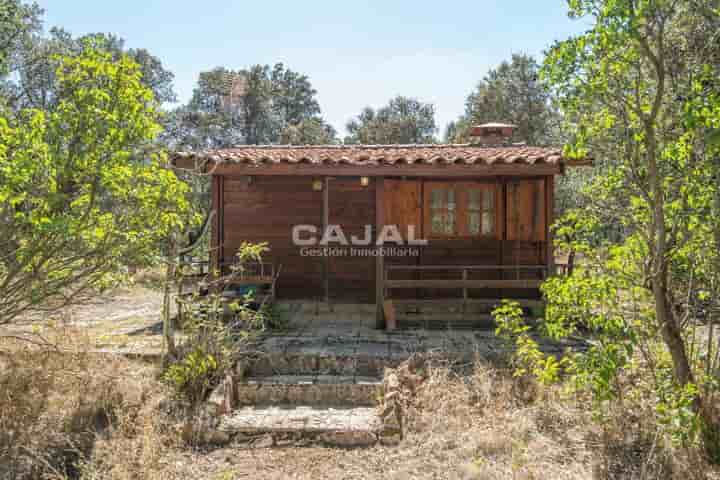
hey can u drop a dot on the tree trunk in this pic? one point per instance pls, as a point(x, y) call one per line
point(669, 328)
point(168, 330)
point(671, 333)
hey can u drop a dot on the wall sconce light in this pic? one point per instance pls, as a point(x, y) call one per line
point(364, 181)
point(317, 185)
point(249, 180)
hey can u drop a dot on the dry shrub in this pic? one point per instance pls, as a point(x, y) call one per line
point(133, 446)
point(67, 413)
point(490, 425)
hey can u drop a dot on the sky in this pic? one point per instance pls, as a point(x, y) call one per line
point(356, 54)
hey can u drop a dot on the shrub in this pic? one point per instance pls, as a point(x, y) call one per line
point(216, 332)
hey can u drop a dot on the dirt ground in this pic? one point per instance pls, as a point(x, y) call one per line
point(126, 320)
point(481, 425)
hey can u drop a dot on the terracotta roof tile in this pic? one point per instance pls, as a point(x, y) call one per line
point(375, 155)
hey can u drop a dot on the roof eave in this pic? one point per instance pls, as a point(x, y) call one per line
point(412, 170)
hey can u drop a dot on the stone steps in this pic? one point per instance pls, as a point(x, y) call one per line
point(351, 357)
point(304, 365)
point(335, 308)
point(311, 390)
point(430, 321)
point(344, 427)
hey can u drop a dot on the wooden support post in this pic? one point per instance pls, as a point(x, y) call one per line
point(550, 208)
point(326, 222)
point(503, 228)
point(216, 233)
point(379, 260)
point(221, 223)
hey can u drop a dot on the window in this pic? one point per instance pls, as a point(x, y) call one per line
point(442, 211)
point(461, 209)
point(481, 211)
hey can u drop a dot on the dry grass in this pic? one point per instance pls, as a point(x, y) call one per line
point(484, 425)
point(68, 414)
point(65, 412)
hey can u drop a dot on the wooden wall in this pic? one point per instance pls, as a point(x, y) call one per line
point(521, 238)
point(265, 208)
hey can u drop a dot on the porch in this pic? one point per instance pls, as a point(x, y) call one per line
point(463, 225)
point(433, 297)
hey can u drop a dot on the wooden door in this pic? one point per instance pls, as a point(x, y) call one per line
point(351, 279)
point(526, 227)
point(403, 206)
point(526, 211)
point(403, 209)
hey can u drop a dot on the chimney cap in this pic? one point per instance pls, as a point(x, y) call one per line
point(492, 133)
point(489, 127)
point(496, 125)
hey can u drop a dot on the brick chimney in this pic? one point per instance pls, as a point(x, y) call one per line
point(491, 133)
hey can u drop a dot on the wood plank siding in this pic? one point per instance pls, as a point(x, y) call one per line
point(352, 206)
point(264, 208)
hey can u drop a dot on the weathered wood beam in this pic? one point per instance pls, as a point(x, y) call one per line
point(457, 268)
point(379, 260)
point(462, 284)
point(326, 222)
point(550, 205)
point(221, 216)
point(400, 304)
point(215, 229)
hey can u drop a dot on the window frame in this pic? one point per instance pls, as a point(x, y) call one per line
point(462, 208)
point(428, 188)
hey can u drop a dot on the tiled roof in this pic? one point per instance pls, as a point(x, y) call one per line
point(378, 155)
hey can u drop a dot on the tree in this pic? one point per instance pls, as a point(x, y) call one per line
point(311, 131)
point(213, 117)
point(252, 106)
point(640, 89)
point(39, 58)
point(511, 93)
point(18, 23)
point(293, 96)
point(403, 120)
point(83, 190)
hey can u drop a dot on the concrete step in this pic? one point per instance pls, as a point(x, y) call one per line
point(447, 321)
point(317, 307)
point(343, 427)
point(348, 356)
point(363, 365)
point(366, 320)
point(328, 390)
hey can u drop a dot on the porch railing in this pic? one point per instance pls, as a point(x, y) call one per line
point(252, 273)
point(464, 282)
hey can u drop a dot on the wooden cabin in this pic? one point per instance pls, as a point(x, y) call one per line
point(483, 209)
